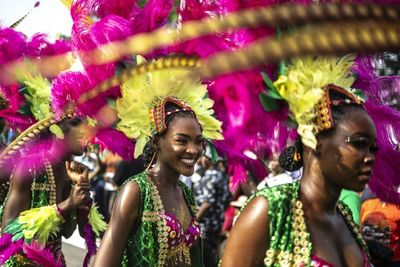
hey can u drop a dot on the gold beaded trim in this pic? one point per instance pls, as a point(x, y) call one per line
point(302, 244)
point(49, 186)
point(179, 253)
point(168, 62)
point(164, 251)
point(31, 133)
point(324, 116)
point(162, 230)
point(324, 120)
point(150, 216)
point(354, 228)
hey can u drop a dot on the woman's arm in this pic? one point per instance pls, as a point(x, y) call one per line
point(123, 217)
point(248, 240)
point(19, 198)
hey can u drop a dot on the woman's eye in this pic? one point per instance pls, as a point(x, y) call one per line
point(181, 141)
point(359, 143)
point(200, 142)
point(374, 149)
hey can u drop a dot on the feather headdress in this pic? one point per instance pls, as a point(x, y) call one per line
point(302, 89)
point(141, 94)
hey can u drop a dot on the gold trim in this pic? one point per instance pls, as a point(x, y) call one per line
point(31, 133)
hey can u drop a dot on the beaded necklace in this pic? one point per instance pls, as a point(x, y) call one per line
point(49, 185)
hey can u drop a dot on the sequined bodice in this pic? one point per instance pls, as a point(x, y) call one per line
point(177, 235)
point(317, 262)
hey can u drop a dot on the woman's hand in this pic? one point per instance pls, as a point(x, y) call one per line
point(80, 192)
point(77, 171)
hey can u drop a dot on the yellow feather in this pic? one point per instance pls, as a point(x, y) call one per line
point(40, 223)
point(302, 88)
point(96, 220)
point(141, 93)
point(39, 90)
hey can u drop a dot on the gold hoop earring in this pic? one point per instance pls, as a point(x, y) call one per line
point(151, 161)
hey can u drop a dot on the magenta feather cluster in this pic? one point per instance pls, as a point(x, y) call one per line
point(379, 90)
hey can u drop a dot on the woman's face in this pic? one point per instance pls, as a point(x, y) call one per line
point(182, 145)
point(73, 137)
point(347, 156)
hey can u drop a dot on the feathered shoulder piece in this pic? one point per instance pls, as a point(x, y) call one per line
point(141, 109)
point(303, 87)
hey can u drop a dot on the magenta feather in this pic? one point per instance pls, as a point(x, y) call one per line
point(123, 8)
point(196, 10)
point(12, 45)
point(385, 182)
point(116, 142)
point(11, 114)
point(40, 46)
point(378, 90)
point(90, 242)
point(110, 28)
point(41, 255)
point(246, 125)
point(17, 121)
point(153, 15)
point(66, 90)
point(8, 248)
point(239, 176)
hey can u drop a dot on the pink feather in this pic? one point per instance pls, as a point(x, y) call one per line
point(41, 255)
point(90, 242)
point(123, 8)
point(8, 248)
point(39, 46)
point(379, 90)
point(116, 142)
point(66, 90)
point(196, 10)
point(12, 45)
point(153, 15)
point(110, 28)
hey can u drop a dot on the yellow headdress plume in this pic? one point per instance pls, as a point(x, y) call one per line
point(142, 97)
point(303, 88)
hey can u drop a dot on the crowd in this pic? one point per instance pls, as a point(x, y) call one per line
point(253, 165)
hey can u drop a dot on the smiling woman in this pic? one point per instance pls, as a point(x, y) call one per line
point(153, 222)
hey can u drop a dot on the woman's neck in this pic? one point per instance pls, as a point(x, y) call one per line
point(164, 175)
point(58, 153)
point(317, 192)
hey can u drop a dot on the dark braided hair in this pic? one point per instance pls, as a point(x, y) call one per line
point(289, 158)
point(149, 151)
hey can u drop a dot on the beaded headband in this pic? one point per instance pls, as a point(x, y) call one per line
point(158, 114)
point(324, 118)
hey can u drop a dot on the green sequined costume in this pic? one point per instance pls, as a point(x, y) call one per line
point(290, 242)
point(143, 247)
point(43, 193)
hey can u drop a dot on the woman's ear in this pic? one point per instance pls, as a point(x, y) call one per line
point(155, 143)
point(317, 150)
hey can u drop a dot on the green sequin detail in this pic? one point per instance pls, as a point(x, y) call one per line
point(39, 198)
point(290, 241)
